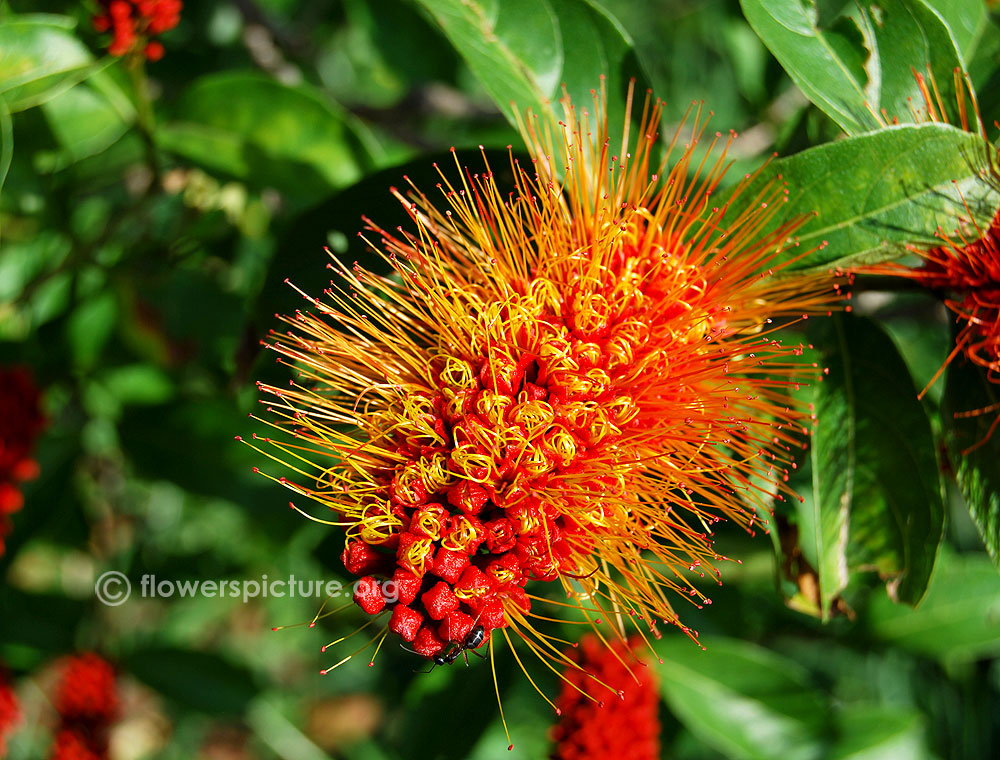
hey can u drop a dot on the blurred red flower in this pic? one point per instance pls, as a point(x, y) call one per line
point(10, 713)
point(624, 727)
point(133, 22)
point(87, 702)
point(21, 421)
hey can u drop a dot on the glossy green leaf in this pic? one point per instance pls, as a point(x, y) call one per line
point(744, 701)
point(878, 733)
point(523, 51)
point(966, 20)
point(959, 619)
point(876, 192)
point(876, 495)
point(266, 133)
point(909, 35)
point(858, 70)
point(970, 407)
point(39, 58)
point(826, 64)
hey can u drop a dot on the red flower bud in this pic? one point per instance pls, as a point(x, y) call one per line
point(406, 585)
point(449, 564)
point(427, 643)
point(439, 601)
point(368, 595)
point(405, 622)
point(360, 558)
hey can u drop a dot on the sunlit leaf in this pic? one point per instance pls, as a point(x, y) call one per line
point(959, 619)
point(523, 51)
point(745, 701)
point(39, 58)
point(859, 68)
point(966, 20)
point(876, 192)
point(89, 117)
point(878, 733)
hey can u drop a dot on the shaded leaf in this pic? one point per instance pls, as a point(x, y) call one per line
point(859, 70)
point(878, 191)
point(959, 619)
point(877, 733)
point(266, 133)
point(745, 701)
point(876, 495)
point(968, 390)
point(523, 51)
point(195, 679)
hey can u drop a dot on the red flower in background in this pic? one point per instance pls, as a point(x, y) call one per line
point(87, 702)
point(21, 421)
point(87, 692)
point(71, 744)
point(10, 713)
point(969, 272)
point(626, 727)
point(133, 22)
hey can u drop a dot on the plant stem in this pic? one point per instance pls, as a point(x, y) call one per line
point(144, 114)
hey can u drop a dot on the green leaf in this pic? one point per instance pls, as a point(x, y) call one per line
point(859, 70)
point(965, 19)
point(138, 384)
point(89, 117)
point(6, 143)
point(221, 687)
point(90, 326)
point(39, 58)
point(975, 458)
point(876, 495)
point(524, 50)
point(876, 192)
point(266, 133)
point(745, 701)
point(878, 733)
point(958, 620)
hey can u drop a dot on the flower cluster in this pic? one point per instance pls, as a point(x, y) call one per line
point(10, 712)
point(133, 22)
point(570, 379)
point(87, 702)
point(21, 421)
point(625, 727)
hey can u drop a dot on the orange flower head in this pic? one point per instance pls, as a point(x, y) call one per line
point(626, 725)
point(569, 380)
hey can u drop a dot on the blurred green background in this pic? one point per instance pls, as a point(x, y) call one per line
point(142, 259)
